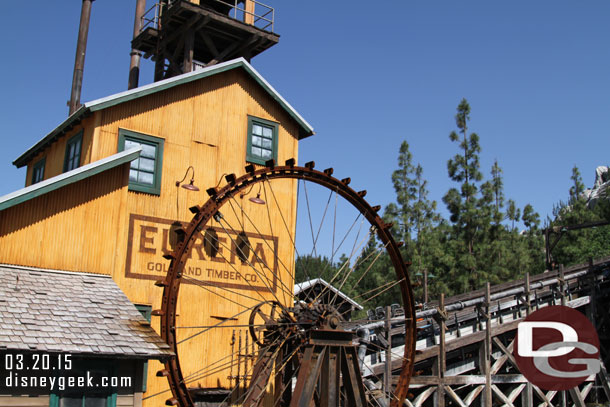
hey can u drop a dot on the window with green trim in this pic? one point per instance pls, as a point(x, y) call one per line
point(145, 171)
point(95, 396)
point(73, 150)
point(262, 140)
point(38, 171)
point(82, 400)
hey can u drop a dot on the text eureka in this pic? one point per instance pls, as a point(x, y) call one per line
point(154, 240)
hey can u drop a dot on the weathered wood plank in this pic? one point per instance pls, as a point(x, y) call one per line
point(423, 396)
point(576, 397)
point(454, 396)
point(501, 396)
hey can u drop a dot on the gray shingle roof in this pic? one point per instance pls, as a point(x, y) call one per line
point(79, 313)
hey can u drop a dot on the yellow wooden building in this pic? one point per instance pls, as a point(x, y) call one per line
point(102, 191)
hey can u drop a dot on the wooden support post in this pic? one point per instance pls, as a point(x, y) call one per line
point(249, 11)
point(425, 287)
point(528, 393)
point(442, 358)
point(562, 285)
point(591, 309)
point(563, 399)
point(562, 296)
point(189, 46)
point(387, 377)
point(487, 394)
point(159, 67)
point(527, 294)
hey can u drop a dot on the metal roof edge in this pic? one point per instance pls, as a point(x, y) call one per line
point(298, 287)
point(67, 178)
point(278, 98)
point(98, 104)
point(74, 117)
point(18, 267)
point(154, 87)
point(196, 75)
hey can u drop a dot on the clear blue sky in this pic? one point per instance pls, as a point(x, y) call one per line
point(536, 74)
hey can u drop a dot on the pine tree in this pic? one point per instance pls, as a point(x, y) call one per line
point(513, 213)
point(578, 246)
point(498, 192)
point(493, 237)
point(530, 218)
point(577, 188)
point(413, 214)
point(463, 203)
point(406, 188)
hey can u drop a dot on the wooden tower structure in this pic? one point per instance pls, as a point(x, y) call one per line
point(184, 35)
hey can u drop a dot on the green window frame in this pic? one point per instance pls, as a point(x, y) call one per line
point(78, 397)
point(74, 148)
point(145, 171)
point(38, 171)
point(262, 140)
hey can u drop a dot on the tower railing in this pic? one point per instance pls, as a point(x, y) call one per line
point(259, 15)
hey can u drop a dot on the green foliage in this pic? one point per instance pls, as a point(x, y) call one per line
point(479, 242)
point(309, 267)
point(578, 246)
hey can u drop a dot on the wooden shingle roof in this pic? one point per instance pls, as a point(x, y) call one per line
point(79, 313)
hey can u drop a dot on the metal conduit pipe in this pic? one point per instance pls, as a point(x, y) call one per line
point(364, 335)
point(376, 392)
point(79, 60)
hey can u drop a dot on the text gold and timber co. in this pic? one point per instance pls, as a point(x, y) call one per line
point(149, 238)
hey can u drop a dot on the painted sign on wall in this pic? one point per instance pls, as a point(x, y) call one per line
point(232, 263)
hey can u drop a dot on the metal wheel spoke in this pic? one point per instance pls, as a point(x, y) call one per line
point(275, 256)
point(281, 333)
point(204, 284)
point(248, 262)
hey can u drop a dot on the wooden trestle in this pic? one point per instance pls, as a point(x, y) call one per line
point(465, 343)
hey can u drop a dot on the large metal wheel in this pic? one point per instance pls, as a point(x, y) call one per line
point(251, 340)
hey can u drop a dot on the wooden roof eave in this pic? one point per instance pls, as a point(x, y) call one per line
point(305, 129)
point(67, 178)
point(74, 119)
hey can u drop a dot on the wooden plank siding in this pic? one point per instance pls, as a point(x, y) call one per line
point(24, 401)
point(67, 229)
point(203, 125)
point(55, 153)
point(86, 226)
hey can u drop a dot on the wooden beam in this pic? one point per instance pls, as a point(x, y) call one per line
point(454, 396)
point(473, 394)
point(208, 43)
point(236, 46)
point(226, 20)
point(576, 397)
point(487, 347)
point(423, 396)
point(387, 375)
point(442, 361)
point(165, 41)
point(465, 380)
point(189, 48)
point(586, 389)
point(501, 395)
point(603, 378)
point(512, 396)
